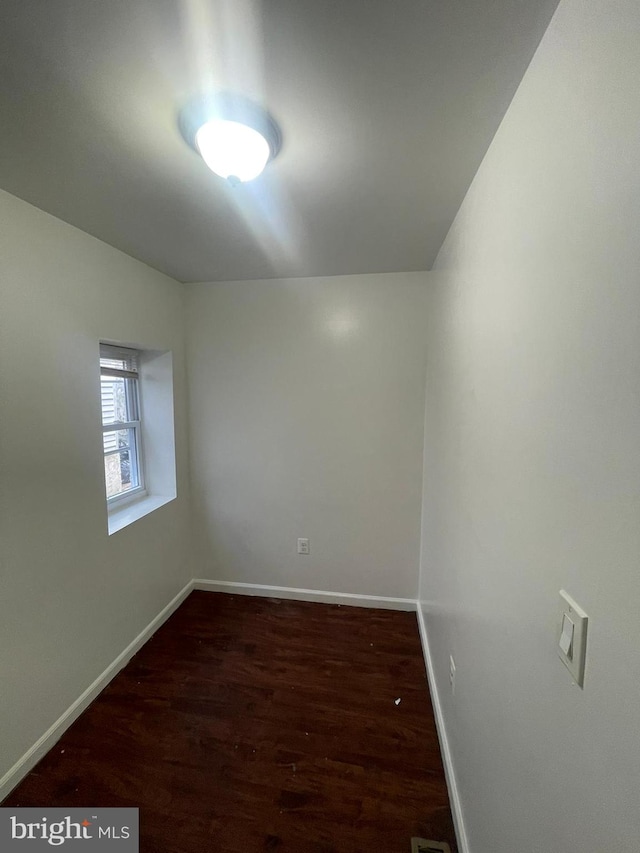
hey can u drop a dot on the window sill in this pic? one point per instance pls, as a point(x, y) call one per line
point(122, 516)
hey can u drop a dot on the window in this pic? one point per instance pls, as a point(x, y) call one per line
point(121, 427)
point(138, 441)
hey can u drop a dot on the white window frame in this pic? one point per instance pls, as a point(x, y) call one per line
point(136, 457)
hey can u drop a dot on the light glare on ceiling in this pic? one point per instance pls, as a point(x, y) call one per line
point(232, 150)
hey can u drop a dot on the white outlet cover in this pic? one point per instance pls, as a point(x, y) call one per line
point(575, 659)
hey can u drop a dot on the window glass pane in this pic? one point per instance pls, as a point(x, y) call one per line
point(120, 472)
point(114, 400)
point(117, 438)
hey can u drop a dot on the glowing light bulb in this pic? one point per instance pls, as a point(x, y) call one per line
point(232, 150)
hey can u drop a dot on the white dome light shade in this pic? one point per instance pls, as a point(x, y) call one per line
point(232, 150)
point(234, 136)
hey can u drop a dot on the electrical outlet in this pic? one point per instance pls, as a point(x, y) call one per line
point(452, 674)
point(303, 546)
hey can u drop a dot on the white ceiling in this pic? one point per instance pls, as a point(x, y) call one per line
point(386, 109)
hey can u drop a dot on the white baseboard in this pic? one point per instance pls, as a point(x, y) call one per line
point(305, 594)
point(31, 757)
point(454, 795)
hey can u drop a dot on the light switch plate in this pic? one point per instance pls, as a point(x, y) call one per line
point(575, 659)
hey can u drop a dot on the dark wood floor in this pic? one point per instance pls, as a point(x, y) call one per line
point(249, 724)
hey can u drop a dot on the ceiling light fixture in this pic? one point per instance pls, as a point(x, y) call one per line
point(235, 137)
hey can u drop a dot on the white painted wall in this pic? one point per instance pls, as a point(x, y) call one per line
point(306, 418)
point(532, 465)
point(71, 596)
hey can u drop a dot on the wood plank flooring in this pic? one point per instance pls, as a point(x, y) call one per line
point(250, 724)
